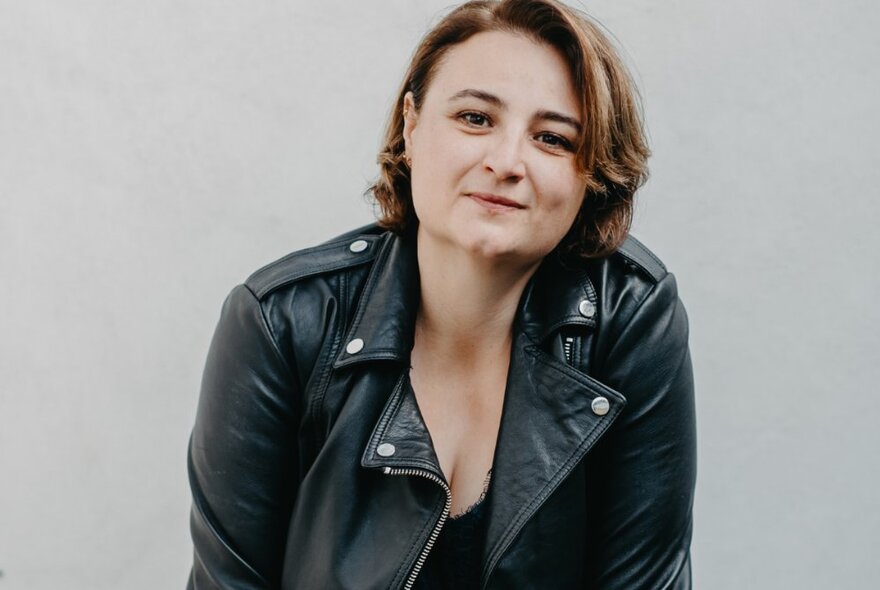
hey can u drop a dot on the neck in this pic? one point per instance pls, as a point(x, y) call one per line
point(467, 303)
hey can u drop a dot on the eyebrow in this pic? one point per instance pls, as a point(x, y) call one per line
point(496, 101)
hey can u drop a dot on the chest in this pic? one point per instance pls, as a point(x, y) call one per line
point(463, 417)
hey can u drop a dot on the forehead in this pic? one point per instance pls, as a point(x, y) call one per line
point(521, 71)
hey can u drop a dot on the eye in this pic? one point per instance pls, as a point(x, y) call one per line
point(474, 119)
point(554, 141)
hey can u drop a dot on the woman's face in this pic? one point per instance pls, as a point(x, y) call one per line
point(492, 149)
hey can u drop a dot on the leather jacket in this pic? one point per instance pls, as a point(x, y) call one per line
point(312, 468)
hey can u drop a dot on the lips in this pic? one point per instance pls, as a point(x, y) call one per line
point(496, 202)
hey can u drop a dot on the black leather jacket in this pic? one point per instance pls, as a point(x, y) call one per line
point(595, 463)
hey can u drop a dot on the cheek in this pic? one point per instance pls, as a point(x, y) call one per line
point(568, 194)
point(450, 151)
point(566, 215)
point(437, 170)
point(576, 193)
point(443, 160)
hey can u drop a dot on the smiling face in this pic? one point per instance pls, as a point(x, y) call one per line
point(492, 148)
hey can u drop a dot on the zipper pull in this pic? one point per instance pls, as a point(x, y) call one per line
point(567, 348)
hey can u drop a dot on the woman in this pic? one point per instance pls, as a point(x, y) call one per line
point(491, 388)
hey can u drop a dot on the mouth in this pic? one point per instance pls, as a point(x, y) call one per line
point(495, 202)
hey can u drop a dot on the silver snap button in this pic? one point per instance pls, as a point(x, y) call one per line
point(600, 406)
point(586, 308)
point(354, 346)
point(358, 246)
point(386, 450)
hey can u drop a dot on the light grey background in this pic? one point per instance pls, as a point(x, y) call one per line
point(153, 154)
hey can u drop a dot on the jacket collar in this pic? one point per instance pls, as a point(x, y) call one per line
point(385, 317)
point(384, 321)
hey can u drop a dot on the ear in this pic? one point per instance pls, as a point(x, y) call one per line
point(410, 116)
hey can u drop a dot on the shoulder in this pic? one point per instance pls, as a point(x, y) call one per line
point(630, 279)
point(348, 250)
point(306, 297)
point(625, 277)
point(638, 304)
point(635, 257)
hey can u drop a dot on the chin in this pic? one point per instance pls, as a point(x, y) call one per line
point(491, 251)
point(495, 250)
point(482, 241)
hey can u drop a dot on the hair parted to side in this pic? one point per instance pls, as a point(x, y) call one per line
point(611, 153)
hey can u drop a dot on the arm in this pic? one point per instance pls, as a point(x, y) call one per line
point(242, 458)
point(643, 471)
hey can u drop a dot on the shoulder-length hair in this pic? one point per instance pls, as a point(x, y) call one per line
point(611, 153)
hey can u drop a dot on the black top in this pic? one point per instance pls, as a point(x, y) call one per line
point(454, 560)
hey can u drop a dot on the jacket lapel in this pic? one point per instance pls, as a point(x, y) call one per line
point(547, 426)
point(401, 425)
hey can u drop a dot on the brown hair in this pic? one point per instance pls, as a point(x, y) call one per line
point(611, 153)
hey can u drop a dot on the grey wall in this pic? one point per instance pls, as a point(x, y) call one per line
point(153, 154)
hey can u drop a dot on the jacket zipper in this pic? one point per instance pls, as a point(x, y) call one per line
point(566, 347)
point(434, 533)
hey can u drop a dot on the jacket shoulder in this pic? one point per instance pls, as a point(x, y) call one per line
point(346, 250)
point(637, 257)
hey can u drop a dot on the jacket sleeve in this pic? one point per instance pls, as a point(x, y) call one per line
point(242, 460)
point(643, 472)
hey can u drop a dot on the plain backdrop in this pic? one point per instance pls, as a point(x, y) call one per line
point(153, 154)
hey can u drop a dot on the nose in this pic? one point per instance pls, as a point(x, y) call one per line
point(504, 157)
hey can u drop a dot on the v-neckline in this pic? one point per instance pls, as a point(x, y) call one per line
point(473, 507)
